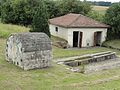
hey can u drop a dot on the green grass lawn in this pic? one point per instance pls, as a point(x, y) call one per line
point(56, 77)
point(60, 53)
point(7, 29)
point(113, 43)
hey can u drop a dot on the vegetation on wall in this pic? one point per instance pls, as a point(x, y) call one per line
point(112, 18)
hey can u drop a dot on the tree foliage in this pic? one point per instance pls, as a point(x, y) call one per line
point(6, 12)
point(21, 11)
point(18, 11)
point(40, 19)
point(112, 18)
point(74, 6)
point(0, 8)
point(52, 8)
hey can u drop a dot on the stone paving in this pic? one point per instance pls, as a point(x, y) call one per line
point(104, 65)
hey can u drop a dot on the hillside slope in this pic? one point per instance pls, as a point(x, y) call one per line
point(100, 9)
point(112, 44)
point(7, 29)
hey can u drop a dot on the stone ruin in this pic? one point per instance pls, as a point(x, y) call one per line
point(29, 50)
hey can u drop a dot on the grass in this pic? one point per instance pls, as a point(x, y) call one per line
point(53, 78)
point(60, 53)
point(54, 39)
point(100, 9)
point(113, 43)
point(7, 29)
point(56, 77)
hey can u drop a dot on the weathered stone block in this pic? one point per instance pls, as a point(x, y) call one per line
point(29, 50)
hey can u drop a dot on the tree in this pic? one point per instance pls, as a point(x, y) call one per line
point(112, 18)
point(18, 11)
point(6, 11)
point(0, 7)
point(22, 11)
point(74, 6)
point(52, 8)
point(40, 19)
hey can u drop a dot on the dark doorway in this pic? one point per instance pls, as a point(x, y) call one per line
point(75, 38)
point(97, 38)
point(80, 39)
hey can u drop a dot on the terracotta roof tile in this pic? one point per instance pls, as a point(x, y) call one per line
point(76, 20)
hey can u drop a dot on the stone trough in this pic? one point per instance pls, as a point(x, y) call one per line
point(91, 62)
point(91, 59)
point(29, 50)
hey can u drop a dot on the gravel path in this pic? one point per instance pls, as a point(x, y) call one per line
point(108, 64)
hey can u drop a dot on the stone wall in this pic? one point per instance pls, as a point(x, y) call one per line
point(29, 50)
point(98, 57)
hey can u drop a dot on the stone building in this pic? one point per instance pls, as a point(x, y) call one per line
point(78, 30)
point(29, 50)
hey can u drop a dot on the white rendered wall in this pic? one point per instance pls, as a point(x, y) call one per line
point(88, 35)
point(62, 32)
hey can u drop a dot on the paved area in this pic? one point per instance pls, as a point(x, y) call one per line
point(83, 48)
point(108, 64)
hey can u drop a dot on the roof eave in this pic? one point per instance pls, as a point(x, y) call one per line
point(89, 27)
point(81, 26)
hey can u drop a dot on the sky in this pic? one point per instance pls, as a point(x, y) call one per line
point(106, 0)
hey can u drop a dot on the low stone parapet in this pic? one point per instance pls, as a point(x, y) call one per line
point(91, 59)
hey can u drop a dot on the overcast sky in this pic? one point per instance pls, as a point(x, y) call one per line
point(106, 0)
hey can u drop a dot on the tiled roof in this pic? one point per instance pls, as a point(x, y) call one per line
point(76, 21)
